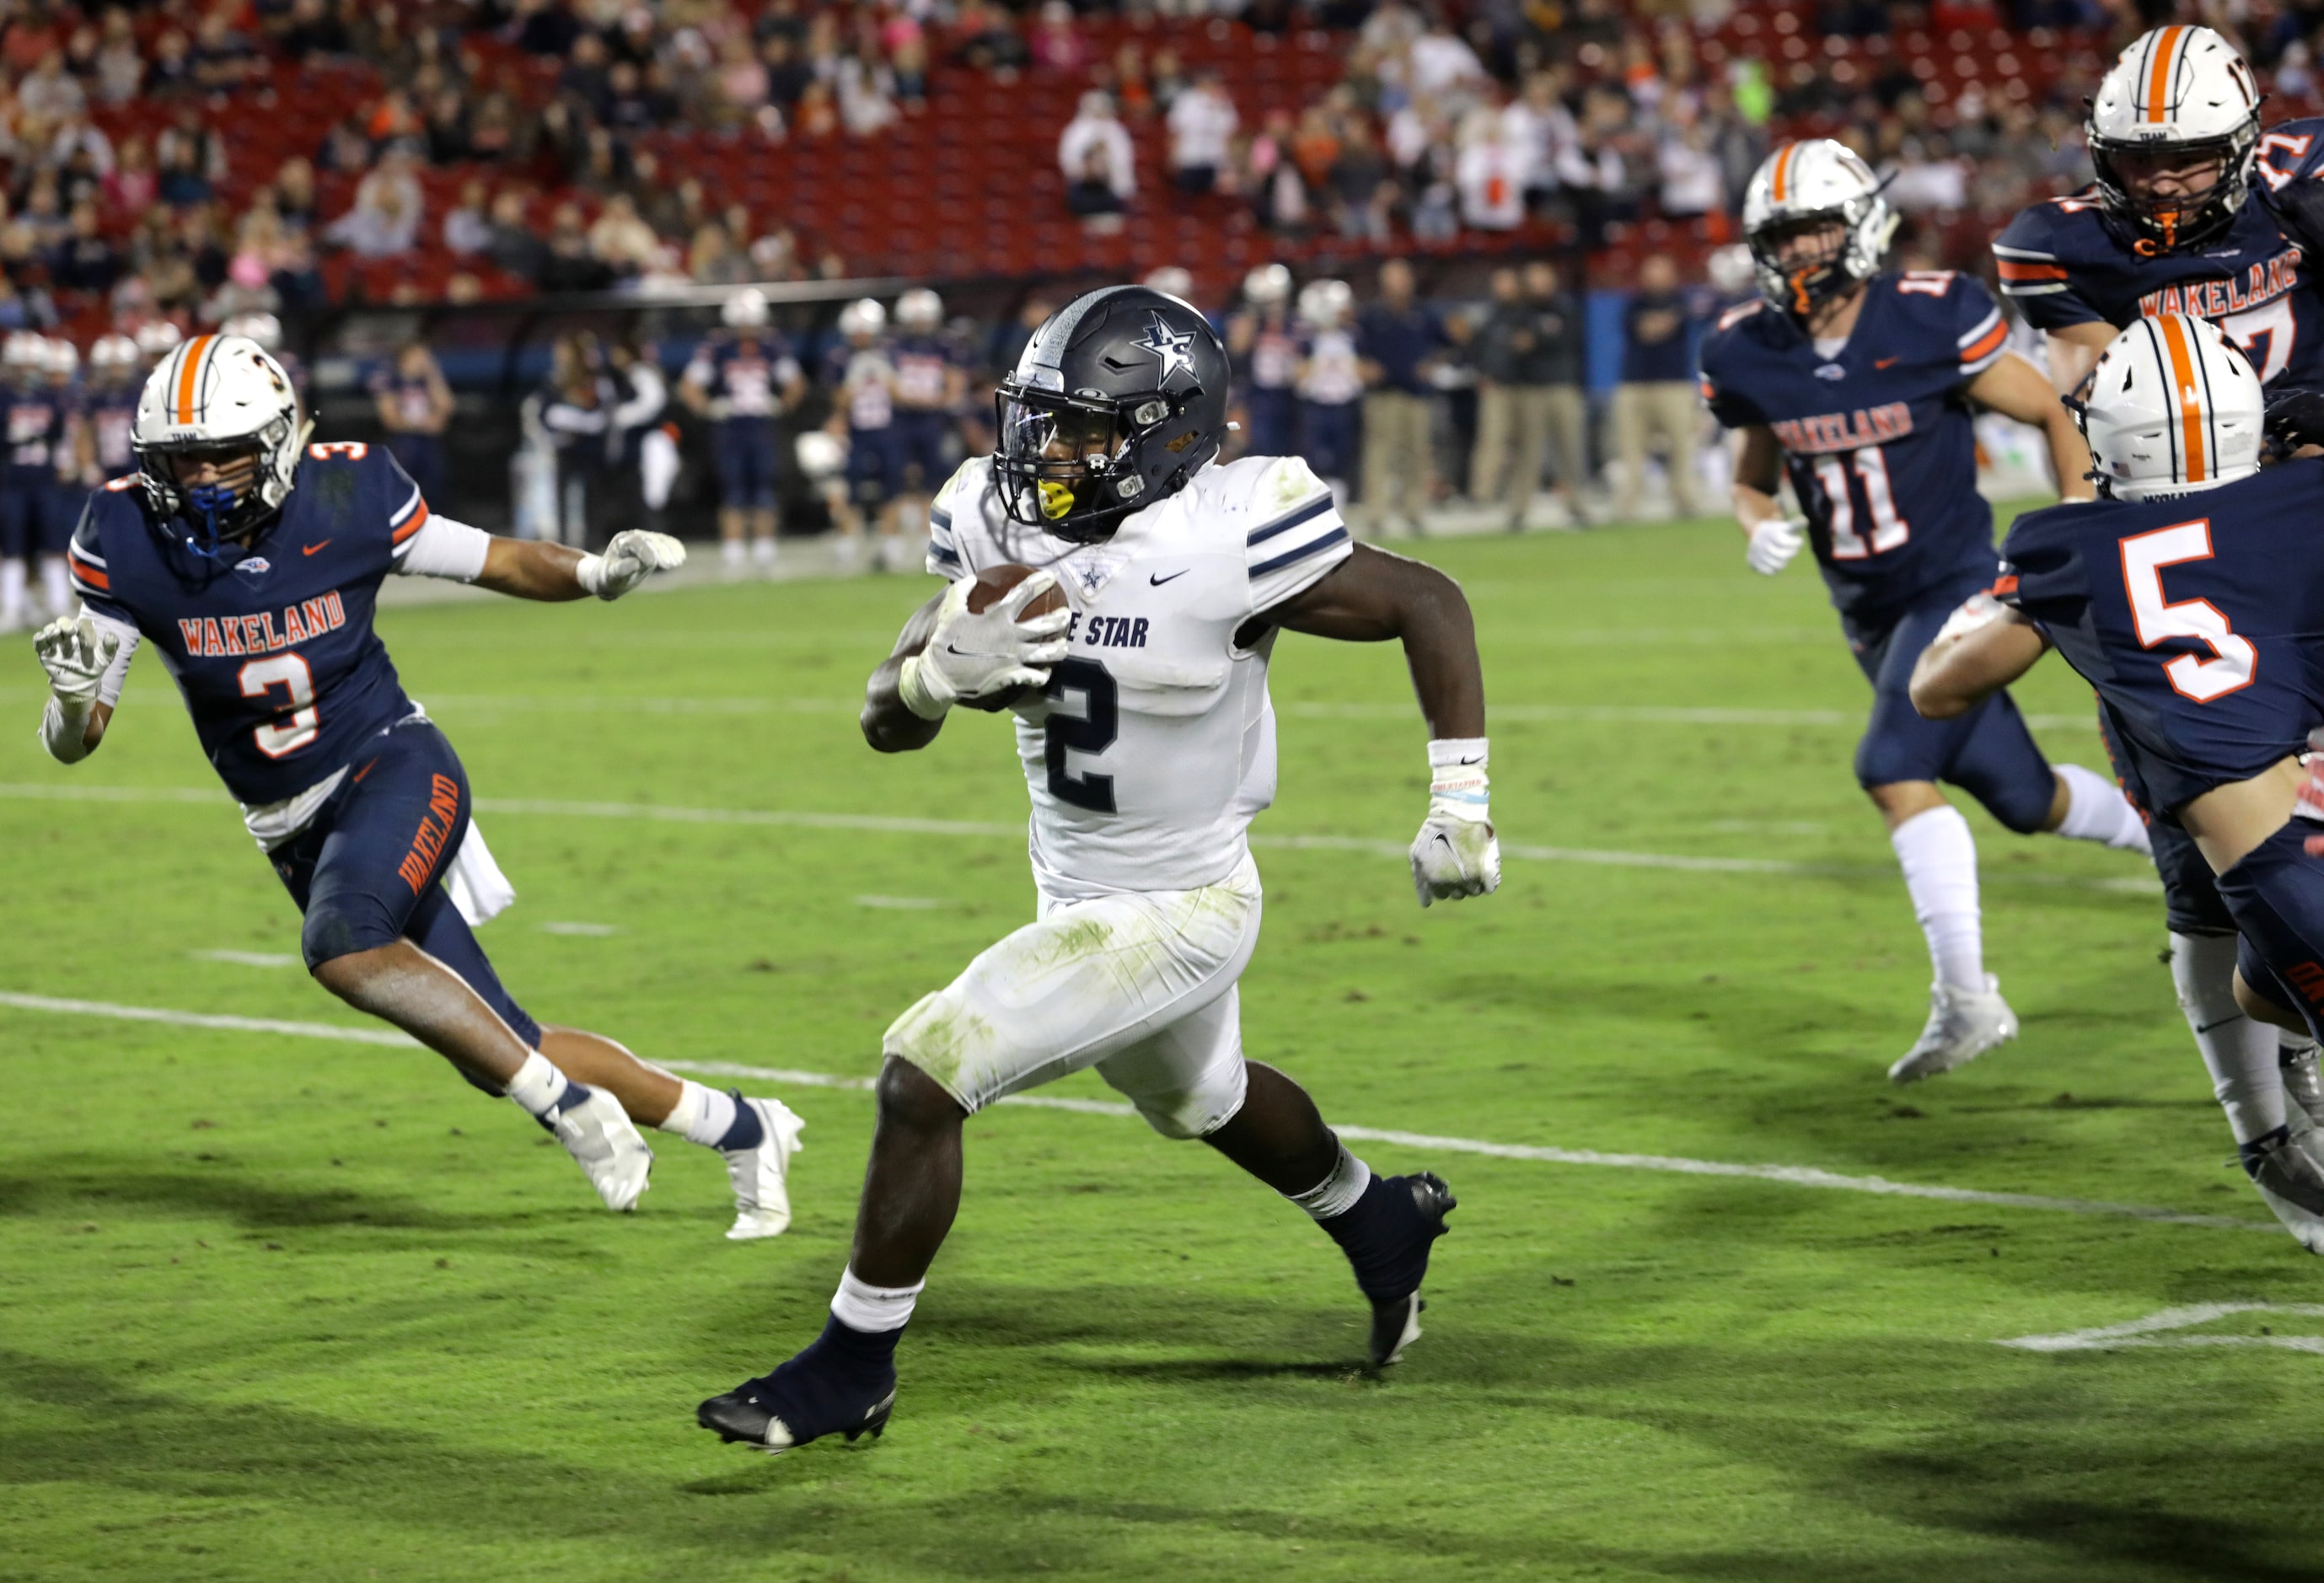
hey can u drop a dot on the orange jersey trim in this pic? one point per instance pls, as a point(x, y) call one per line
point(1992, 340)
point(418, 520)
point(2012, 270)
point(90, 575)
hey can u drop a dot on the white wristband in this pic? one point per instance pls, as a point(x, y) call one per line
point(1457, 783)
point(912, 688)
point(589, 571)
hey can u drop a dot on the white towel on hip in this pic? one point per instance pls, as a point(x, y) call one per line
point(479, 889)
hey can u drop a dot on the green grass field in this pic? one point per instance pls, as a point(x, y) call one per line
point(276, 1307)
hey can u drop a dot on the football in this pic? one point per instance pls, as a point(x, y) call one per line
point(995, 581)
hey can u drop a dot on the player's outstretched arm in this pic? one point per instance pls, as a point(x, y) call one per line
point(525, 568)
point(1772, 538)
point(2014, 388)
point(1371, 597)
point(1982, 647)
point(76, 652)
point(2073, 350)
point(948, 654)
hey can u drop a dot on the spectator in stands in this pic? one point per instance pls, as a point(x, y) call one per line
point(314, 29)
point(414, 405)
point(120, 66)
point(190, 159)
point(1364, 193)
point(171, 71)
point(1657, 402)
point(131, 186)
point(1095, 143)
point(247, 290)
point(1091, 197)
point(294, 192)
point(385, 218)
point(446, 128)
point(712, 260)
point(222, 59)
point(787, 76)
point(493, 130)
point(569, 266)
point(391, 120)
point(297, 278)
point(513, 246)
point(49, 91)
point(989, 41)
point(1057, 44)
point(468, 226)
point(1203, 124)
point(85, 260)
point(621, 241)
point(1529, 355)
point(346, 147)
point(1492, 173)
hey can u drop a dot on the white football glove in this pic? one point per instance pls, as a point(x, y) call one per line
point(972, 656)
point(1774, 542)
point(633, 556)
point(74, 653)
point(1456, 852)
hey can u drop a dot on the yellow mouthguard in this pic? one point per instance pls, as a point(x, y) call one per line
point(1056, 500)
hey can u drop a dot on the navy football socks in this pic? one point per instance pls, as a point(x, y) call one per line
point(748, 1131)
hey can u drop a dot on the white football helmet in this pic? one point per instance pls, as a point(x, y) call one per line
point(24, 355)
point(1325, 304)
point(920, 310)
point(261, 328)
point(746, 309)
point(1267, 285)
point(2184, 92)
point(156, 336)
point(58, 357)
point(217, 394)
point(2173, 406)
point(1802, 185)
point(863, 317)
point(112, 356)
point(1172, 281)
point(821, 457)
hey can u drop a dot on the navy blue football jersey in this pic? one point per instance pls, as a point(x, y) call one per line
point(2063, 262)
point(923, 366)
point(1877, 439)
point(2200, 621)
point(39, 420)
point(275, 654)
point(112, 414)
point(748, 373)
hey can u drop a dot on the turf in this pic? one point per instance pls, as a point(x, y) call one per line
point(276, 1308)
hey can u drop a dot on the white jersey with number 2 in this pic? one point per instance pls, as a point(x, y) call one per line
point(1155, 747)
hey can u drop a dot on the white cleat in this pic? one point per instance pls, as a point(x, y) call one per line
point(2286, 1168)
point(1963, 1024)
point(763, 1201)
point(603, 1140)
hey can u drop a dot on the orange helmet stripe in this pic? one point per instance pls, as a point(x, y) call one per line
point(2158, 74)
point(2184, 378)
point(190, 376)
point(1783, 171)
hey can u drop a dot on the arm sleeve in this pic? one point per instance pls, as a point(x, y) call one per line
point(85, 563)
point(441, 548)
point(2040, 575)
point(944, 559)
point(643, 406)
point(1296, 534)
point(1731, 408)
point(108, 688)
point(1983, 334)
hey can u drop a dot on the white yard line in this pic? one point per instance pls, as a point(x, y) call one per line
point(2134, 884)
point(1787, 1175)
point(2164, 1329)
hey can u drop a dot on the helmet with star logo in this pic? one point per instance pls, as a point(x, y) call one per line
point(1120, 398)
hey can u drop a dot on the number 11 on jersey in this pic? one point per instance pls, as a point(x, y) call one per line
point(1888, 529)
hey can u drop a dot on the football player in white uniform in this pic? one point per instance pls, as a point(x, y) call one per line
point(1149, 744)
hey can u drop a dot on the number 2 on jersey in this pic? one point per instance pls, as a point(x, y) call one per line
point(2143, 556)
point(289, 672)
point(1092, 730)
point(1888, 529)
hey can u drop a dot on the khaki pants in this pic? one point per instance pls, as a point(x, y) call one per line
point(1517, 426)
point(1399, 465)
point(1665, 411)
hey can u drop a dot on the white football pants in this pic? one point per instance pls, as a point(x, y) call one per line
point(1139, 986)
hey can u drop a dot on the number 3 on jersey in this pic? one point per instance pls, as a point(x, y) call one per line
point(1092, 731)
point(2143, 556)
point(1888, 529)
point(289, 672)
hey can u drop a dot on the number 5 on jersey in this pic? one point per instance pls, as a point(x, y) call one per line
point(289, 672)
point(2143, 556)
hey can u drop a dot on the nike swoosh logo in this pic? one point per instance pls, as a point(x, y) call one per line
point(366, 770)
point(1883, 362)
point(1173, 577)
point(311, 548)
point(2223, 1022)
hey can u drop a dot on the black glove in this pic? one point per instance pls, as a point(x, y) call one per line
point(2294, 419)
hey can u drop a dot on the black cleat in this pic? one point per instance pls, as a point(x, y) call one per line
point(1394, 1317)
point(816, 1393)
